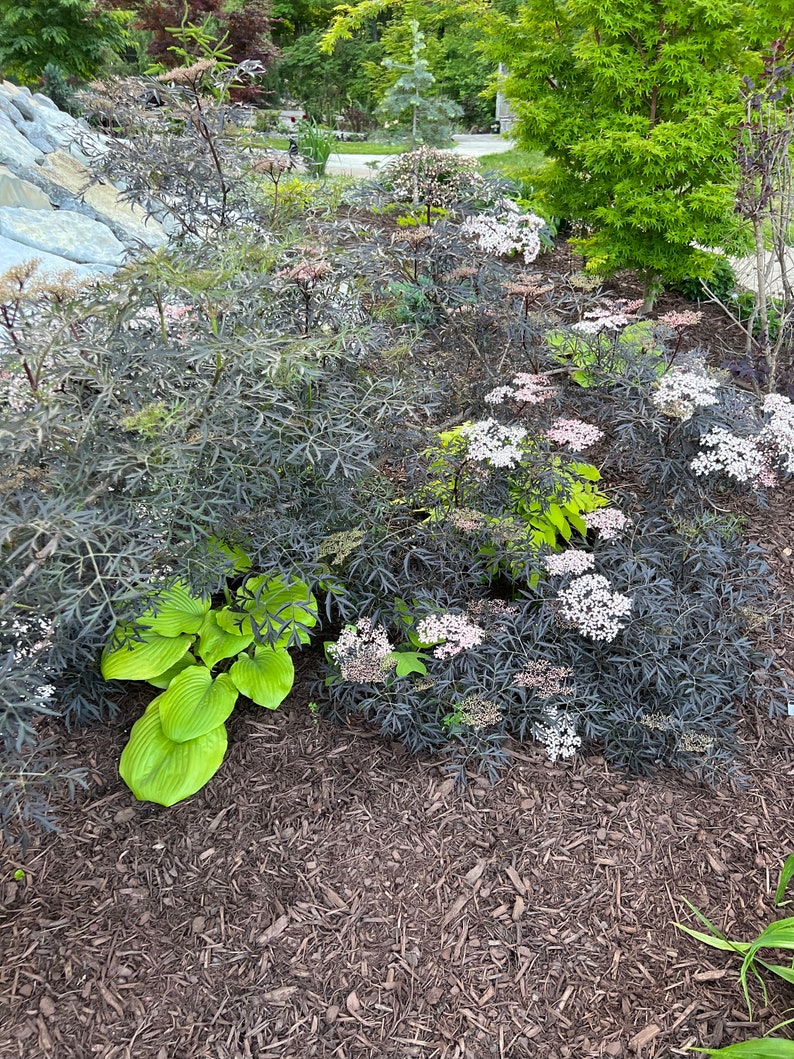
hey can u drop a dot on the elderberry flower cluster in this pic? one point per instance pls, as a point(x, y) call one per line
point(490, 614)
point(608, 522)
point(496, 444)
point(575, 434)
point(679, 393)
point(476, 711)
point(452, 633)
point(590, 605)
point(527, 388)
point(778, 432)
point(612, 316)
point(512, 233)
point(571, 561)
point(363, 653)
point(557, 732)
point(682, 320)
point(544, 679)
point(725, 453)
point(467, 520)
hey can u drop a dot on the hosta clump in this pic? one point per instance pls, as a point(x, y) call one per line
point(640, 651)
point(203, 657)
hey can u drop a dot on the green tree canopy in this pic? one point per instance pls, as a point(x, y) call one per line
point(635, 103)
point(74, 35)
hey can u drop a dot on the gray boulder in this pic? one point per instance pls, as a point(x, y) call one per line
point(63, 233)
point(13, 254)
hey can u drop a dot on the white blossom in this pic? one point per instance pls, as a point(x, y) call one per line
point(679, 393)
point(590, 605)
point(490, 441)
point(571, 561)
point(725, 453)
point(453, 633)
point(512, 233)
point(557, 732)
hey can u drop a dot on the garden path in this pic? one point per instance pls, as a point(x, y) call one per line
point(362, 165)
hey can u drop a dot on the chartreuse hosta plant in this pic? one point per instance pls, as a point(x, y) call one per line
point(203, 657)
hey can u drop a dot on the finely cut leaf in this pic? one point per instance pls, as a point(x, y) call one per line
point(216, 643)
point(142, 659)
point(156, 769)
point(194, 703)
point(267, 678)
point(177, 610)
point(279, 606)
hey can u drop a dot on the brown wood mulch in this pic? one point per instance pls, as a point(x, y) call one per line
point(328, 895)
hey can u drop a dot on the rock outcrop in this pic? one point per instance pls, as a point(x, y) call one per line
point(52, 206)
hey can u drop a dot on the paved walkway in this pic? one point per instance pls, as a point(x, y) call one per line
point(363, 165)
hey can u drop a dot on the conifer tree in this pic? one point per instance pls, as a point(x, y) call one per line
point(635, 103)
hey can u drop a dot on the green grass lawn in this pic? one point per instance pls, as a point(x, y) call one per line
point(517, 164)
point(357, 147)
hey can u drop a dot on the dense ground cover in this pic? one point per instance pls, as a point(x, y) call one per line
point(498, 515)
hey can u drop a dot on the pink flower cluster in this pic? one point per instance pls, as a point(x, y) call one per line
point(679, 321)
point(613, 315)
point(571, 561)
point(527, 388)
point(575, 434)
point(608, 522)
point(453, 633)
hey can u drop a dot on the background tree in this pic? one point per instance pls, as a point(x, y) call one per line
point(74, 35)
point(635, 105)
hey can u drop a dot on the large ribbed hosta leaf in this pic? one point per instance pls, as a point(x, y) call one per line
point(216, 643)
point(147, 656)
point(194, 703)
point(267, 678)
point(156, 769)
point(176, 610)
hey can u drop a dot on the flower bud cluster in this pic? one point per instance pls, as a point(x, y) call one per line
point(363, 653)
point(452, 632)
point(571, 561)
point(490, 441)
point(590, 605)
point(679, 393)
point(543, 678)
point(467, 520)
point(557, 732)
point(575, 434)
point(476, 711)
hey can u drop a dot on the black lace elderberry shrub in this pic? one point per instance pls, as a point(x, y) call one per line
point(641, 651)
point(139, 427)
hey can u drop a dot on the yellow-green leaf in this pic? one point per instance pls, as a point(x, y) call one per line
point(175, 610)
point(216, 642)
point(141, 659)
point(194, 703)
point(267, 678)
point(156, 769)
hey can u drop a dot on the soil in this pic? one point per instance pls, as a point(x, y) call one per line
point(329, 895)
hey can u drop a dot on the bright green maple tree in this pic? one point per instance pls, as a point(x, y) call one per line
point(635, 103)
point(75, 35)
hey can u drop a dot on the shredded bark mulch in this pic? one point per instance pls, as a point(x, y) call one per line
point(328, 895)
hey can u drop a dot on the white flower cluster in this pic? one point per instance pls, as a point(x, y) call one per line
point(544, 678)
point(575, 434)
point(571, 561)
point(363, 653)
point(680, 393)
point(725, 453)
point(530, 389)
point(590, 605)
point(453, 633)
point(557, 732)
point(779, 429)
point(608, 522)
point(488, 440)
point(512, 233)
point(612, 316)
